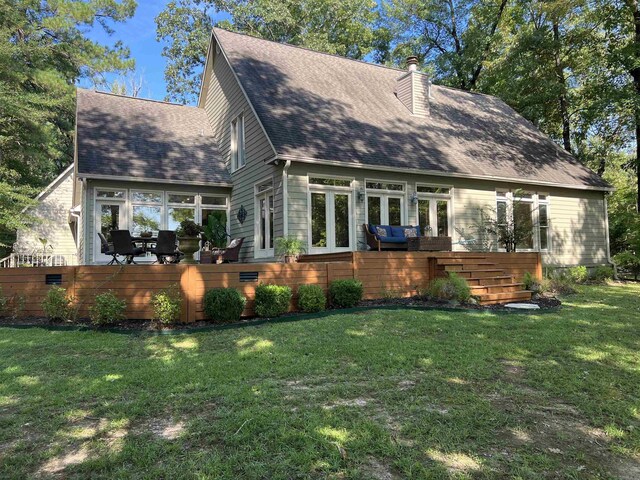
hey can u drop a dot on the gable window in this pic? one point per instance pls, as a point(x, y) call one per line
point(264, 220)
point(526, 213)
point(237, 143)
point(434, 210)
point(385, 203)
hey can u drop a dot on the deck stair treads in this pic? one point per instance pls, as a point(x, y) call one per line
point(490, 282)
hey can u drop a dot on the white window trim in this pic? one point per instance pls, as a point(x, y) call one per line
point(433, 206)
point(259, 195)
point(385, 194)
point(535, 202)
point(237, 161)
point(332, 189)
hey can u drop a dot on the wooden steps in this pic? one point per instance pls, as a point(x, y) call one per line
point(489, 281)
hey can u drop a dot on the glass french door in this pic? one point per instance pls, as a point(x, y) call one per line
point(433, 217)
point(385, 209)
point(330, 221)
point(108, 216)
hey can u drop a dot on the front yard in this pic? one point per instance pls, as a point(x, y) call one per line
point(376, 394)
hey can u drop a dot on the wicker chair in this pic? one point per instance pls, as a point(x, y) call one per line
point(229, 254)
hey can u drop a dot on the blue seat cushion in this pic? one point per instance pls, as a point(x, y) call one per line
point(399, 231)
point(393, 240)
point(373, 229)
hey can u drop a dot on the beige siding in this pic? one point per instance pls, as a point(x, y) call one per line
point(577, 222)
point(53, 213)
point(224, 101)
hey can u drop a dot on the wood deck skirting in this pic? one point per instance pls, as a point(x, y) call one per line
point(382, 274)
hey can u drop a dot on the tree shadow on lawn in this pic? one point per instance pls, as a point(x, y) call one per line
point(393, 394)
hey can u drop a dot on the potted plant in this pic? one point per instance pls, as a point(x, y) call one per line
point(289, 248)
point(189, 239)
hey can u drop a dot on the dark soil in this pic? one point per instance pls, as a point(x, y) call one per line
point(544, 302)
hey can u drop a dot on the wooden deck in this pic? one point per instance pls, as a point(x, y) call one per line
point(494, 277)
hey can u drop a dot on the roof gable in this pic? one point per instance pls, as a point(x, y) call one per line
point(316, 106)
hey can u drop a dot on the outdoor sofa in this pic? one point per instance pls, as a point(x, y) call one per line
point(388, 237)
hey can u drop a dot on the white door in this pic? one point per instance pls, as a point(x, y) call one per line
point(108, 216)
point(330, 221)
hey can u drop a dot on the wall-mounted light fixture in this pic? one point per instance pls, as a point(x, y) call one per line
point(361, 195)
point(414, 198)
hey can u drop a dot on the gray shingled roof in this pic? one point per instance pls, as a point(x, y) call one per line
point(133, 137)
point(326, 107)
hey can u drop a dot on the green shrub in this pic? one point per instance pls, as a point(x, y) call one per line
point(601, 274)
point(311, 298)
point(224, 305)
point(345, 293)
point(558, 282)
point(629, 262)
point(272, 300)
point(167, 305)
point(579, 274)
point(530, 282)
point(454, 287)
point(107, 309)
point(58, 306)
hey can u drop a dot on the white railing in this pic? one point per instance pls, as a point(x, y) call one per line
point(37, 260)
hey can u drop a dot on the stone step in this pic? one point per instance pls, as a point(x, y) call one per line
point(493, 298)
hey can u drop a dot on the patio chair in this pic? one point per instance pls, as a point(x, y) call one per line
point(230, 253)
point(123, 245)
point(107, 249)
point(166, 250)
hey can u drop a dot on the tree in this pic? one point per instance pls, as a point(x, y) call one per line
point(456, 36)
point(44, 50)
point(343, 27)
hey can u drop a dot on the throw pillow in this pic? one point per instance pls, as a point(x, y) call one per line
point(410, 232)
point(233, 243)
point(381, 232)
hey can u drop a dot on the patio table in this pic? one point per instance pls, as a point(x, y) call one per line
point(145, 241)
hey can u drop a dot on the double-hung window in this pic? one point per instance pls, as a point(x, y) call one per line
point(237, 143)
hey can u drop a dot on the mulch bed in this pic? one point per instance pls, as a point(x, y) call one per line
point(544, 302)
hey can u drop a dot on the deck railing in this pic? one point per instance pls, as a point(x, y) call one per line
point(15, 260)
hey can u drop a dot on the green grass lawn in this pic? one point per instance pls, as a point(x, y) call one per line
point(375, 394)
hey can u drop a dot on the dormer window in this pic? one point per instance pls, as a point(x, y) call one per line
point(237, 143)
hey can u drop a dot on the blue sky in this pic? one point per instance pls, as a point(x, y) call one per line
point(139, 34)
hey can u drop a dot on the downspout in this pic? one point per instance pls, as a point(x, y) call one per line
point(285, 198)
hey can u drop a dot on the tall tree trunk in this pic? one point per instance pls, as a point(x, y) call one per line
point(562, 82)
point(635, 73)
point(487, 46)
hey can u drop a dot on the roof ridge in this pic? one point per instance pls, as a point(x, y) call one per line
point(299, 47)
point(130, 97)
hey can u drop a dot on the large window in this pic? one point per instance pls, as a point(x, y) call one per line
point(434, 210)
point(264, 220)
point(525, 216)
point(330, 213)
point(237, 143)
point(152, 210)
point(385, 203)
point(146, 212)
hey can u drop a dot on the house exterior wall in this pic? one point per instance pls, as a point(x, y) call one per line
point(576, 217)
point(224, 101)
point(90, 232)
point(53, 212)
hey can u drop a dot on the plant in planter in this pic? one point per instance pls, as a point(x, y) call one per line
point(289, 248)
point(189, 239)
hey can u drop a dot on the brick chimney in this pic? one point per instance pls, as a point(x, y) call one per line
point(413, 89)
